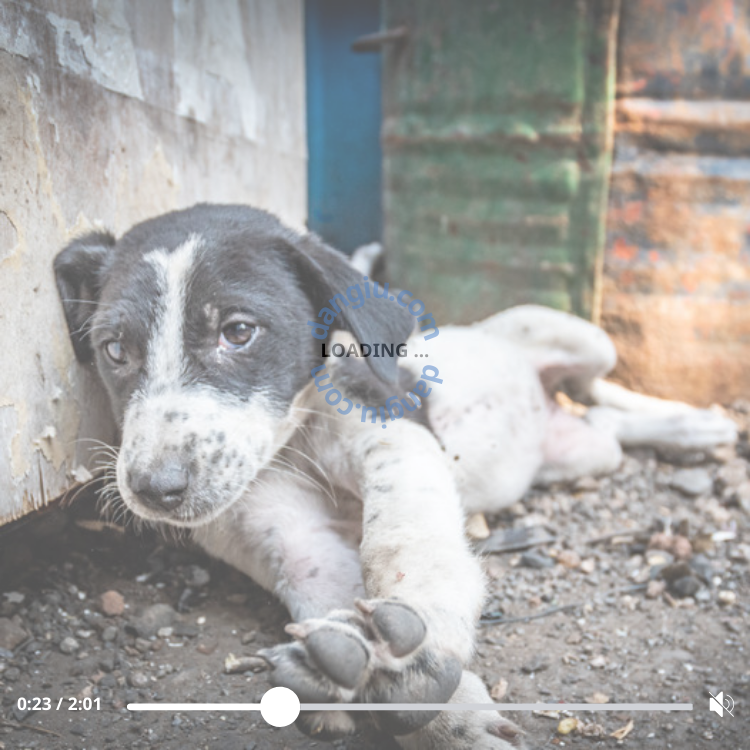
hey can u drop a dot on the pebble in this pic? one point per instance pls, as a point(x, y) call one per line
point(185, 630)
point(198, 577)
point(732, 474)
point(726, 598)
point(702, 568)
point(138, 679)
point(655, 589)
point(569, 559)
point(588, 565)
point(499, 690)
point(536, 560)
point(11, 674)
point(537, 664)
point(69, 645)
point(152, 618)
point(598, 662)
point(11, 633)
point(112, 603)
point(675, 571)
point(239, 665)
point(692, 482)
point(742, 496)
point(109, 633)
point(684, 587)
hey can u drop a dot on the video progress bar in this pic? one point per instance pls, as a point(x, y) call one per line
point(420, 707)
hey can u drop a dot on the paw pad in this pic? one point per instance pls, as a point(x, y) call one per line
point(339, 655)
point(400, 626)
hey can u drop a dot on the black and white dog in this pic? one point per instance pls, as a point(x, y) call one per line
point(197, 322)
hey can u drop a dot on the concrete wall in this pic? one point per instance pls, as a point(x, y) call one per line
point(112, 112)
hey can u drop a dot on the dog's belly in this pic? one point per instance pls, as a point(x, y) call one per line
point(490, 413)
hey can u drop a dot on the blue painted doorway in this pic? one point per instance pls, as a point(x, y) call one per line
point(343, 123)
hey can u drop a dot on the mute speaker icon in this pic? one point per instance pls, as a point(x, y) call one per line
point(719, 703)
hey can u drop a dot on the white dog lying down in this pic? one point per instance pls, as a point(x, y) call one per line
point(196, 321)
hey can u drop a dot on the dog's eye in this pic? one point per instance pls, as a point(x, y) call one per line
point(116, 352)
point(235, 335)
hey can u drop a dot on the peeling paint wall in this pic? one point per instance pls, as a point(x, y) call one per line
point(676, 292)
point(111, 112)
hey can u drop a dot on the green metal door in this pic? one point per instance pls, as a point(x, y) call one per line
point(497, 138)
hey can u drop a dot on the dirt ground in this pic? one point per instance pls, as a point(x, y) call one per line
point(615, 619)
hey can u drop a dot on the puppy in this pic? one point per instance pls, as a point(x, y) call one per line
point(196, 322)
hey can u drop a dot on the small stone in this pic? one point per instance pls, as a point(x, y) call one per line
point(732, 474)
point(207, 647)
point(477, 528)
point(569, 559)
point(588, 565)
point(138, 679)
point(109, 633)
point(112, 603)
point(499, 690)
point(69, 645)
point(11, 674)
point(684, 587)
point(107, 662)
point(681, 548)
point(702, 568)
point(185, 630)
point(567, 725)
point(675, 571)
point(537, 664)
point(152, 618)
point(239, 665)
point(143, 645)
point(536, 560)
point(692, 482)
point(165, 632)
point(248, 637)
point(598, 662)
point(14, 597)
point(78, 729)
point(198, 577)
point(726, 598)
point(655, 589)
point(742, 496)
point(11, 633)
point(597, 698)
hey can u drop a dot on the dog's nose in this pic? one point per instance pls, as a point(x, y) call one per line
point(162, 488)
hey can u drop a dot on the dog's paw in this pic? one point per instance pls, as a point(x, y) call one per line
point(467, 730)
point(378, 654)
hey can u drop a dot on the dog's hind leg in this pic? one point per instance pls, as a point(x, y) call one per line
point(573, 449)
point(569, 353)
point(644, 421)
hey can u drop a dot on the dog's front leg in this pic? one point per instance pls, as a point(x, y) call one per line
point(408, 642)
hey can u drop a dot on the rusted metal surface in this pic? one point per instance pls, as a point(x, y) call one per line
point(496, 135)
point(112, 112)
point(676, 296)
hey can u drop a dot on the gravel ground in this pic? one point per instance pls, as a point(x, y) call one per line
point(641, 593)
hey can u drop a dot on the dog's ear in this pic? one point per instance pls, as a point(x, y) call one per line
point(325, 272)
point(78, 272)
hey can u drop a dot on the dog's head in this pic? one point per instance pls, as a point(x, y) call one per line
point(197, 324)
